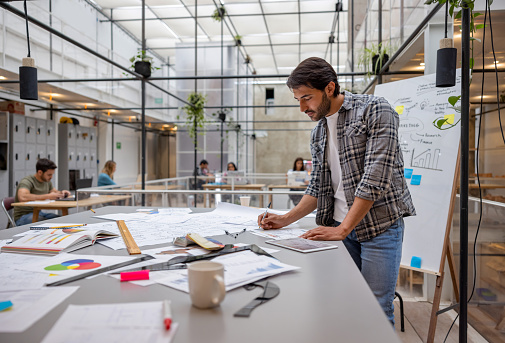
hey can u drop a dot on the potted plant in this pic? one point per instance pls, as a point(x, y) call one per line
point(142, 64)
point(219, 13)
point(195, 114)
point(238, 40)
point(372, 59)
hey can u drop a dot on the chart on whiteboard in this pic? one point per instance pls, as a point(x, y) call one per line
point(429, 135)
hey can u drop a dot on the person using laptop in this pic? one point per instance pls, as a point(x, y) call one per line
point(107, 175)
point(298, 166)
point(37, 187)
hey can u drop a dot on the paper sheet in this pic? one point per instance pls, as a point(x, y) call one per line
point(240, 268)
point(68, 265)
point(112, 323)
point(31, 305)
point(12, 279)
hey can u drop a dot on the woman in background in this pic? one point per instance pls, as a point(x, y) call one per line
point(298, 166)
point(107, 175)
point(231, 166)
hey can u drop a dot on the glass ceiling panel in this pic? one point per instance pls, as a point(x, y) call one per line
point(130, 13)
point(276, 7)
point(317, 22)
point(117, 3)
point(162, 3)
point(246, 8)
point(285, 39)
point(255, 39)
point(183, 27)
point(258, 50)
point(282, 23)
point(171, 12)
point(250, 25)
point(319, 5)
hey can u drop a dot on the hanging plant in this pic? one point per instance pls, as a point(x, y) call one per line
point(238, 40)
point(195, 114)
point(219, 13)
point(373, 58)
point(142, 64)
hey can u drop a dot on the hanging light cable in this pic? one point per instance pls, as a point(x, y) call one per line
point(28, 87)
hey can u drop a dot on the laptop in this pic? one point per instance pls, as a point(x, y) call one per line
point(237, 176)
point(83, 183)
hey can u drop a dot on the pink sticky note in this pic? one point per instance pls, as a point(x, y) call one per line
point(133, 276)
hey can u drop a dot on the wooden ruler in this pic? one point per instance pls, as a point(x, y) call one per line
point(131, 246)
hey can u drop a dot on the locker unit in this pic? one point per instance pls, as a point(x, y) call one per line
point(30, 139)
point(78, 156)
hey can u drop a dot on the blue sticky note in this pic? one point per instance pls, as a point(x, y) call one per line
point(416, 180)
point(408, 173)
point(4, 305)
point(415, 262)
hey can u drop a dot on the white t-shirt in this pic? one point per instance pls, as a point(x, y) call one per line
point(340, 208)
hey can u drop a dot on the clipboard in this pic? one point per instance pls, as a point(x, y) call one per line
point(130, 243)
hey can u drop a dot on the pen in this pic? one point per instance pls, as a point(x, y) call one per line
point(167, 314)
point(92, 210)
point(264, 214)
point(66, 226)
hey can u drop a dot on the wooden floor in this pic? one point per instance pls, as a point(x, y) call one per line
point(417, 320)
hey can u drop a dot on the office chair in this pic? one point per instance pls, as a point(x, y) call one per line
point(7, 206)
point(402, 323)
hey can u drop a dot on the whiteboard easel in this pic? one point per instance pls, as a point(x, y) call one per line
point(429, 136)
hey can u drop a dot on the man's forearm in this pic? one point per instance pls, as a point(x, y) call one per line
point(304, 207)
point(356, 213)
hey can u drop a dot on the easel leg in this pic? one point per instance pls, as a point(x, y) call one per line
point(434, 309)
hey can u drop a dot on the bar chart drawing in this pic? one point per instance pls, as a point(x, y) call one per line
point(427, 159)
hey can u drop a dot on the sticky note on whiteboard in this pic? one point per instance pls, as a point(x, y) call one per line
point(408, 173)
point(415, 262)
point(399, 109)
point(449, 118)
point(415, 180)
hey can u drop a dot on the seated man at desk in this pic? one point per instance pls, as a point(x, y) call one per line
point(37, 187)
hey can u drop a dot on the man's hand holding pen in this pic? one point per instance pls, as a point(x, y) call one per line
point(271, 221)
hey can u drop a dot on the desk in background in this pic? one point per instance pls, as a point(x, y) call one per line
point(251, 187)
point(327, 300)
point(63, 206)
point(271, 187)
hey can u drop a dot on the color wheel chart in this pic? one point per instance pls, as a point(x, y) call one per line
point(78, 264)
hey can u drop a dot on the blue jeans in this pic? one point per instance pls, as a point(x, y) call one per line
point(378, 259)
point(27, 218)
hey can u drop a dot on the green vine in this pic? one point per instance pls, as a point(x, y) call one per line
point(195, 114)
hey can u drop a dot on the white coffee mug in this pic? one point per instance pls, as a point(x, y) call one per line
point(206, 283)
point(245, 200)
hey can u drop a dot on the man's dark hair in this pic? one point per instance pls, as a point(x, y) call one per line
point(314, 72)
point(203, 162)
point(44, 164)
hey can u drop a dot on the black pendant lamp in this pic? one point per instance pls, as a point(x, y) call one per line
point(28, 87)
point(446, 59)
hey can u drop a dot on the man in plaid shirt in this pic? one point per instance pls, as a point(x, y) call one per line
point(357, 183)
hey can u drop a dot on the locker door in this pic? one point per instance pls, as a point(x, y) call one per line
point(18, 156)
point(31, 130)
point(85, 137)
point(18, 175)
point(50, 133)
point(41, 152)
point(18, 128)
point(79, 158)
point(92, 137)
point(71, 159)
point(31, 157)
point(50, 152)
point(85, 158)
point(71, 135)
point(41, 131)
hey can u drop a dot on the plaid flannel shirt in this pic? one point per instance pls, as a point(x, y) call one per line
point(371, 162)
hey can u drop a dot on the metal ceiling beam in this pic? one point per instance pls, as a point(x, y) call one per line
point(196, 21)
point(269, 36)
point(229, 15)
point(210, 77)
point(242, 45)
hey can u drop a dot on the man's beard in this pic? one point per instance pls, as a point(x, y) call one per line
point(323, 109)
